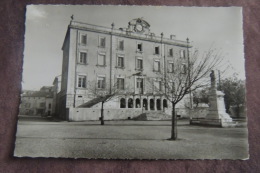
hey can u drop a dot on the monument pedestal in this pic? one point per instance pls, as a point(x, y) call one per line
point(217, 115)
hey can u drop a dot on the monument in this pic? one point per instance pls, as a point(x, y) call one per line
point(217, 115)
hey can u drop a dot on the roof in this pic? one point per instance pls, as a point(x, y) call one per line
point(39, 94)
point(57, 79)
point(46, 87)
point(124, 33)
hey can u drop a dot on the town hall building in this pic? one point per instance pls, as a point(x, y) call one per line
point(124, 58)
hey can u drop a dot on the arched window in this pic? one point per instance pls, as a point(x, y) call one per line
point(158, 104)
point(137, 103)
point(122, 103)
point(130, 103)
point(151, 104)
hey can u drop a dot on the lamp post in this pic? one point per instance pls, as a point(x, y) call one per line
point(189, 67)
point(219, 81)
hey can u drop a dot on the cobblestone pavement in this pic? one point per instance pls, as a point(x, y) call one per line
point(41, 137)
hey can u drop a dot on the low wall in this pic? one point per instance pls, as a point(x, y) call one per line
point(234, 112)
point(83, 114)
point(196, 112)
point(199, 112)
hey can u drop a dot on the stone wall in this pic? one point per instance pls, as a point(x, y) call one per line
point(83, 114)
point(234, 112)
point(196, 112)
point(199, 112)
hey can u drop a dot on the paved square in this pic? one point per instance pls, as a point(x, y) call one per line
point(39, 137)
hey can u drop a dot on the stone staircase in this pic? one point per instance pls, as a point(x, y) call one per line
point(94, 101)
point(152, 115)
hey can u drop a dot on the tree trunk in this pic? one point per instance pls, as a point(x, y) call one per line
point(174, 123)
point(102, 113)
point(238, 111)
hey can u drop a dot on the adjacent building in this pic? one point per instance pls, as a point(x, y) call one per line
point(126, 57)
point(37, 102)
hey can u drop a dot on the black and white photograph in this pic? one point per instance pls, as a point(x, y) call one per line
point(133, 82)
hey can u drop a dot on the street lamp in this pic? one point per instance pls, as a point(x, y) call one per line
point(189, 66)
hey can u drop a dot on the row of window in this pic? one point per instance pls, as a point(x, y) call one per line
point(27, 105)
point(157, 66)
point(120, 46)
point(83, 58)
point(35, 97)
point(101, 42)
point(157, 50)
point(101, 83)
point(121, 64)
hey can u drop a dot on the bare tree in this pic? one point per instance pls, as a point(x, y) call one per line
point(183, 76)
point(102, 92)
point(201, 96)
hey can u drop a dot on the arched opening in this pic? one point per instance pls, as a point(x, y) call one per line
point(145, 104)
point(122, 103)
point(158, 104)
point(130, 103)
point(151, 104)
point(165, 105)
point(137, 103)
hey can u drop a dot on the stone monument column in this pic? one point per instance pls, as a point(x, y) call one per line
point(217, 113)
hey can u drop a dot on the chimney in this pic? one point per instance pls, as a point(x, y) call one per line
point(172, 37)
point(152, 35)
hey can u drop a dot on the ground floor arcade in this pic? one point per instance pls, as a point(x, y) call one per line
point(146, 102)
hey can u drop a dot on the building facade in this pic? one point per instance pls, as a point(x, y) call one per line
point(126, 57)
point(37, 102)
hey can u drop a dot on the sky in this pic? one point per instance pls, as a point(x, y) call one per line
point(206, 27)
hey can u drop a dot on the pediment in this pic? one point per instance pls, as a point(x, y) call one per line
point(139, 25)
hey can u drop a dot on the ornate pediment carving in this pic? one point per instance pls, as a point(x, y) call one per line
point(139, 25)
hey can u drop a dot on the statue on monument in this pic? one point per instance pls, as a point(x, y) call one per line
point(213, 79)
point(212, 76)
